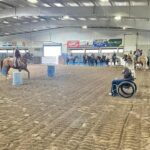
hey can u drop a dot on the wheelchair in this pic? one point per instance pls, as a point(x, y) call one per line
point(126, 88)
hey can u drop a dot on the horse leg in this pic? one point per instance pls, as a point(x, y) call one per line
point(28, 72)
point(8, 70)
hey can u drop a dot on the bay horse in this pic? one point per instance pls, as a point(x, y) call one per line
point(8, 63)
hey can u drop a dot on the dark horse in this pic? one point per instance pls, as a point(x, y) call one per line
point(71, 58)
point(8, 63)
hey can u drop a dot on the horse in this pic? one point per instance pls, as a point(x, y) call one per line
point(8, 63)
point(141, 62)
point(71, 58)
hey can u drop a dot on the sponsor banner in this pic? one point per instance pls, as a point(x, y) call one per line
point(107, 43)
point(73, 44)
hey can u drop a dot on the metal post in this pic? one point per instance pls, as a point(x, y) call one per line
point(137, 40)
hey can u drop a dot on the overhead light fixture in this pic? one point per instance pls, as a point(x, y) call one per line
point(72, 4)
point(46, 5)
point(117, 18)
point(83, 19)
point(35, 17)
point(135, 3)
point(84, 27)
point(25, 22)
point(7, 33)
point(72, 19)
point(32, 1)
point(121, 3)
point(15, 17)
point(53, 19)
point(93, 19)
point(104, 0)
point(124, 28)
point(6, 22)
point(65, 17)
point(88, 4)
point(58, 5)
point(42, 19)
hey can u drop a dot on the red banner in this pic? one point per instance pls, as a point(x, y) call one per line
point(73, 44)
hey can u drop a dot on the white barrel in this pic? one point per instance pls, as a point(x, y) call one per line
point(17, 78)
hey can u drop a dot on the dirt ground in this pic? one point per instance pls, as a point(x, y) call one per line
point(73, 111)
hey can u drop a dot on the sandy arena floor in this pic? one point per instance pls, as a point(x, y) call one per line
point(73, 111)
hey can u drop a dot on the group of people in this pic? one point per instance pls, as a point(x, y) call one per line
point(92, 60)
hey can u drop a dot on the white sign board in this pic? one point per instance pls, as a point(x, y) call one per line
point(52, 51)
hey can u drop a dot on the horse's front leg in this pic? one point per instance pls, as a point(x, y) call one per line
point(28, 72)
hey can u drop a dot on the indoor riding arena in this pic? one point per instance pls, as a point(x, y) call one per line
point(74, 74)
point(73, 111)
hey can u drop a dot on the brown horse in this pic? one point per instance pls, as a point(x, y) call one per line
point(8, 63)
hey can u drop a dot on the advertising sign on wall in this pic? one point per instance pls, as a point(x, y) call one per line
point(107, 43)
point(73, 44)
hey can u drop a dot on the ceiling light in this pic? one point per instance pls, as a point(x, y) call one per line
point(35, 17)
point(134, 3)
point(42, 19)
point(73, 4)
point(7, 33)
point(46, 5)
point(25, 22)
point(32, 1)
point(58, 5)
point(121, 3)
point(6, 22)
point(124, 28)
point(15, 17)
point(66, 17)
point(53, 19)
point(93, 19)
point(34, 29)
point(88, 4)
point(83, 19)
point(72, 19)
point(84, 27)
point(104, 3)
point(117, 18)
point(104, 0)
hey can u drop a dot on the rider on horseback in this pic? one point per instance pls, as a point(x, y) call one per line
point(17, 62)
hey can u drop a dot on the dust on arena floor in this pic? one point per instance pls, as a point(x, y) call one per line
point(73, 111)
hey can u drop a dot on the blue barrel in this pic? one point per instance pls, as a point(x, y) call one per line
point(51, 70)
point(4, 71)
point(17, 78)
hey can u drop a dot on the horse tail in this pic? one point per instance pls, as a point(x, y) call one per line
point(1, 64)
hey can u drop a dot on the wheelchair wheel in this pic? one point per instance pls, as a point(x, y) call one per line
point(135, 86)
point(126, 89)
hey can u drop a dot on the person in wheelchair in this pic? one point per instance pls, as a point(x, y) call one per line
point(127, 77)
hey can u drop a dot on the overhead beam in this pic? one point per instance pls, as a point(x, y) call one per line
point(106, 11)
point(139, 25)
